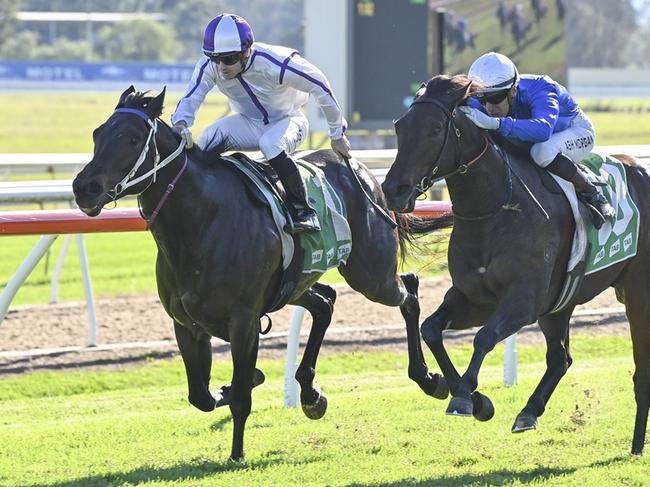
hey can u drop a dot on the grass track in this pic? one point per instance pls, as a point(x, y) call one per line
point(134, 427)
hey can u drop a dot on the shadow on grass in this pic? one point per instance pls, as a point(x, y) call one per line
point(190, 470)
point(205, 469)
point(499, 477)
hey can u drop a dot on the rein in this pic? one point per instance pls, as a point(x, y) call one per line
point(129, 180)
point(430, 180)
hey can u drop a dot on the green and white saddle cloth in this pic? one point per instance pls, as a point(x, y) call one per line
point(333, 244)
point(594, 250)
point(325, 249)
point(615, 241)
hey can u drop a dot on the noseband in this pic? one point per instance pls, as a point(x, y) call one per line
point(430, 180)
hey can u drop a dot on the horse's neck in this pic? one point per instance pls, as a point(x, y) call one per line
point(483, 188)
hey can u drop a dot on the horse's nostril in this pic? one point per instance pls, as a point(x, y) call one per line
point(88, 189)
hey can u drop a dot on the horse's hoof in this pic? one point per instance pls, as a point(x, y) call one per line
point(483, 407)
point(317, 409)
point(524, 422)
point(258, 378)
point(436, 386)
point(460, 406)
point(222, 396)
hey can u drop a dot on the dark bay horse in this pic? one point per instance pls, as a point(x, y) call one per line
point(220, 257)
point(507, 259)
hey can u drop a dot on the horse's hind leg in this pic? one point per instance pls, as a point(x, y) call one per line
point(637, 308)
point(558, 360)
point(432, 384)
point(319, 301)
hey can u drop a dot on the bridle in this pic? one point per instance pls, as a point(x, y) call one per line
point(130, 179)
point(428, 181)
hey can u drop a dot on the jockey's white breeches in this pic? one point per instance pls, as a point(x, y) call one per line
point(238, 132)
point(575, 142)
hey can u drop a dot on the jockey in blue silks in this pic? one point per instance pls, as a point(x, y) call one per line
point(537, 110)
point(266, 87)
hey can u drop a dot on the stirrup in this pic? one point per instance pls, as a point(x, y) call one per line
point(305, 221)
point(597, 218)
point(598, 206)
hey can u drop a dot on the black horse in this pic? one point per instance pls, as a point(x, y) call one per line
point(507, 259)
point(220, 258)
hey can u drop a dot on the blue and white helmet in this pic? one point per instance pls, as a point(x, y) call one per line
point(227, 33)
point(495, 71)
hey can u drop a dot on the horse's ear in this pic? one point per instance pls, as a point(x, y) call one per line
point(127, 92)
point(155, 106)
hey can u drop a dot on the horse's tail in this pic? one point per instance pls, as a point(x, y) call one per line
point(409, 227)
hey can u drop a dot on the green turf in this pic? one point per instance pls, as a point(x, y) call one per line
point(134, 427)
point(63, 122)
point(544, 45)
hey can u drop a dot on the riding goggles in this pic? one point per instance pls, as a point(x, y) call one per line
point(228, 59)
point(492, 98)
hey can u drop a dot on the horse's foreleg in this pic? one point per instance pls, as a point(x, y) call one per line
point(455, 312)
point(515, 310)
point(432, 384)
point(196, 351)
point(319, 301)
point(244, 342)
point(558, 360)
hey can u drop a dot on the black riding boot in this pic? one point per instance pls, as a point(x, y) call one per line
point(304, 217)
point(598, 205)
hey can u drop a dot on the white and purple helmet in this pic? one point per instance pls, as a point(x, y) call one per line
point(227, 33)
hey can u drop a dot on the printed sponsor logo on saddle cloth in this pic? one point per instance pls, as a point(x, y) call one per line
point(333, 244)
point(616, 240)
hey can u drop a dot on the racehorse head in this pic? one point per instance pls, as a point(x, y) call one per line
point(125, 156)
point(428, 140)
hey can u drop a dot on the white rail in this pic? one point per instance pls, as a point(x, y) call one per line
point(374, 159)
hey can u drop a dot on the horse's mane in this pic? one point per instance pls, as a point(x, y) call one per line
point(140, 100)
point(456, 88)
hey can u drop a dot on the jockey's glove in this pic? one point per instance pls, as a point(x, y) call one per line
point(341, 146)
point(480, 119)
point(185, 133)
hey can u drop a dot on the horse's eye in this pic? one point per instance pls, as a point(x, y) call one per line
point(134, 140)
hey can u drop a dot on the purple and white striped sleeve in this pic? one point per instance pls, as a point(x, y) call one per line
point(200, 84)
point(304, 76)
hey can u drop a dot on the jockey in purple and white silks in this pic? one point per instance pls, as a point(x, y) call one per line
point(266, 87)
point(537, 110)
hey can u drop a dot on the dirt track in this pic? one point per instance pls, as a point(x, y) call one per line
point(357, 324)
